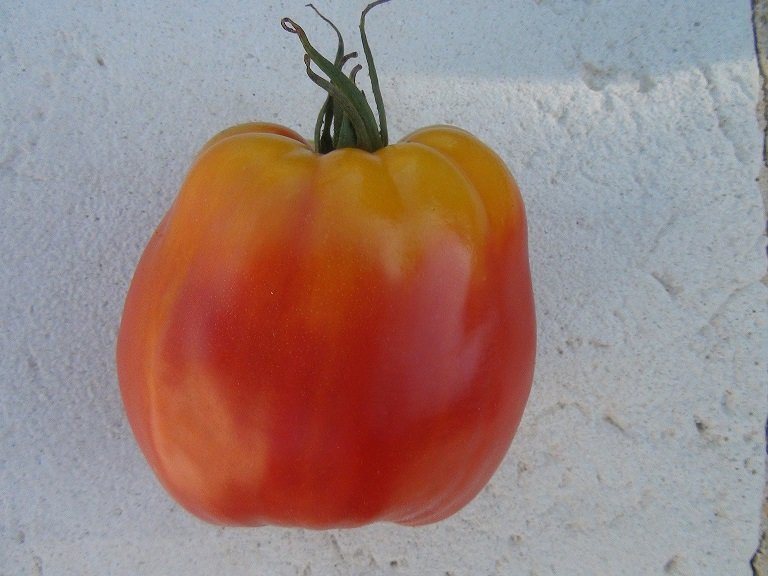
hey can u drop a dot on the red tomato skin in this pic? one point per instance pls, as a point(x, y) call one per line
point(329, 341)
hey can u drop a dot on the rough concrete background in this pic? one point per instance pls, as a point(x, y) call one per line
point(760, 23)
point(632, 128)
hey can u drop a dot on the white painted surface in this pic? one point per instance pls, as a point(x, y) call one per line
point(632, 130)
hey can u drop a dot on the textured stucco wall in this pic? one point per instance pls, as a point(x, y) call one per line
point(631, 127)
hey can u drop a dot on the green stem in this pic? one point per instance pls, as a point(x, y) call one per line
point(343, 132)
point(323, 137)
point(372, 73)
point(346, 118)
point(347, 105)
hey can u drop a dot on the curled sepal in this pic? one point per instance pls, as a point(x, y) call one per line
point(372, 73)
point(346, 119)
point(323, 136)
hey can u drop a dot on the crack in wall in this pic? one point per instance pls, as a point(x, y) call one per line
point(759, 561)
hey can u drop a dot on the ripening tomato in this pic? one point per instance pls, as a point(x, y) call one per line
point(331, 339)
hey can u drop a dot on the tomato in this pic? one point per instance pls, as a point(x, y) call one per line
point(331, 339)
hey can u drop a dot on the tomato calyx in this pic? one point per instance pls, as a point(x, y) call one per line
point(346, 119)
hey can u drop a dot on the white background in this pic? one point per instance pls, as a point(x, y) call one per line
point(631, 127)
